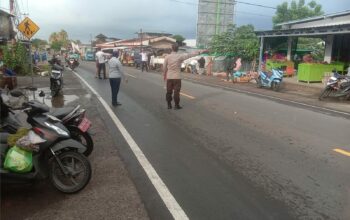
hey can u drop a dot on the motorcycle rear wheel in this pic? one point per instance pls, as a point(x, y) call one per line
point(79, 169)
point(275, 86)
point(82, 137)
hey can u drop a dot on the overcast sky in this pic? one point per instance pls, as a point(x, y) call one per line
point(122, 18)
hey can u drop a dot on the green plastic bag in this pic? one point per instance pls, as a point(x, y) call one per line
point(18, 160)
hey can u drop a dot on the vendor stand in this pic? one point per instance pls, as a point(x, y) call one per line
point(314, 72)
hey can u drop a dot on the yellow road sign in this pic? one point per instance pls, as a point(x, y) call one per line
point(28, 28)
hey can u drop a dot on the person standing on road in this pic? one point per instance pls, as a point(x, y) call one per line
point(228, 62)
point(101, 63)
point(194, 63)
point(144, 60)
point(116, 74)
point(172, 76)
point(201, 63)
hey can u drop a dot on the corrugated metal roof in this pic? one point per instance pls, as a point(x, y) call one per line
point(323, 17)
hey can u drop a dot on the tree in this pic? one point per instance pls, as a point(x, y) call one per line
point(241, 41)
point(56, 45)
point(59, 39)
point(15, 57)
point(296, 10)
point(100, 38)
point(39, 43)
point(179, 39)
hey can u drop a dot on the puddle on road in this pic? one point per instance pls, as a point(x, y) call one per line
point(53, 102)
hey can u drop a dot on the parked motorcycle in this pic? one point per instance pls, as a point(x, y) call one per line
point(59, 157)
point(272, 80)
point(73, 118)
point(56, 77)
point(73, 63)
point(337, 86)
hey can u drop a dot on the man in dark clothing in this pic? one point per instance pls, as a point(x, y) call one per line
point(228, 62)
point(201, 63)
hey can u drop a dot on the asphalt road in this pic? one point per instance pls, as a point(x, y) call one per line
point(229, 155)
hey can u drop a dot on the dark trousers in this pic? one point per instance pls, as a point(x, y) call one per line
point(101, 66)
point(115, 85)
point(173, 85)
point(144, 65)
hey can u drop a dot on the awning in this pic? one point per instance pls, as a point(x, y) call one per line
point(315, 31)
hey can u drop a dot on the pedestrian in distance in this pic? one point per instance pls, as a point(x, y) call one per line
point(172, 75)
point(144, 60)
point(228, 62)
point(193, 64)
point(201, 63)
point(116, 74)
point(101, 63)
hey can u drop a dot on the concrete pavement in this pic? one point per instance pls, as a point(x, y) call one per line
point(110, 194)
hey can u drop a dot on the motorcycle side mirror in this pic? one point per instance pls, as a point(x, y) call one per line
point(42, 93)
point(16, 93)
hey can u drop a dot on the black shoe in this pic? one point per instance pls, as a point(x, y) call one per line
point(178, 107)
point(169, 106)
point(118, 103)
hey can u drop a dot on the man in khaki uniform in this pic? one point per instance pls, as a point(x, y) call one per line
point(172, 76)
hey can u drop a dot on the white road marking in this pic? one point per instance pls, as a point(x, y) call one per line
point(184, 94)
point(130, 75)
point(271, 97)
point(163, 191)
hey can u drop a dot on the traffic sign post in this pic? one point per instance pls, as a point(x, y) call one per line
point(28, 28)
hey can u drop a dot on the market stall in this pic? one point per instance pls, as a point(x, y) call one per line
point(276, 64)
point(314, 72)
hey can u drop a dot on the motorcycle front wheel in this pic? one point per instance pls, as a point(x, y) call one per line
point(325, 93)
point(78, 168)
point(258, 82)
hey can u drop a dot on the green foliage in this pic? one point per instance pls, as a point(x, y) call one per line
point(179, 39)
point(296, 10)
point(313, 44)
point(38, 43)
point(16, 58)
point(59, 38)
point(56, 45)
point(240, 41)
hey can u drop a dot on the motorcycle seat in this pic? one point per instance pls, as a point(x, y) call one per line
point(61, 112)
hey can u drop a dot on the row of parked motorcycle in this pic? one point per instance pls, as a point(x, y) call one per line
point(65, 142)
point(337, 86)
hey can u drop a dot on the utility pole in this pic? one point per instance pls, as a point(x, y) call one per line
point(141, 39)
point(12, 8)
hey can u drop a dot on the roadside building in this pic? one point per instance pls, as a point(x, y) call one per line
point(334, 29)
point(6, 31)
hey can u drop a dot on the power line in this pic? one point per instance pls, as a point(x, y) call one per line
point(241, 12)
point(258, 5)
point(234, 2)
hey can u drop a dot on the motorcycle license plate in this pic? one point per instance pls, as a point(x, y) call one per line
point(84, 125)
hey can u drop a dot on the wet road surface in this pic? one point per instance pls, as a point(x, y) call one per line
point(229, 155)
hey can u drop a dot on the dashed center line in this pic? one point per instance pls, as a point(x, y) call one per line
point(188, 96)
point(184, 94)
point(344, 152)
